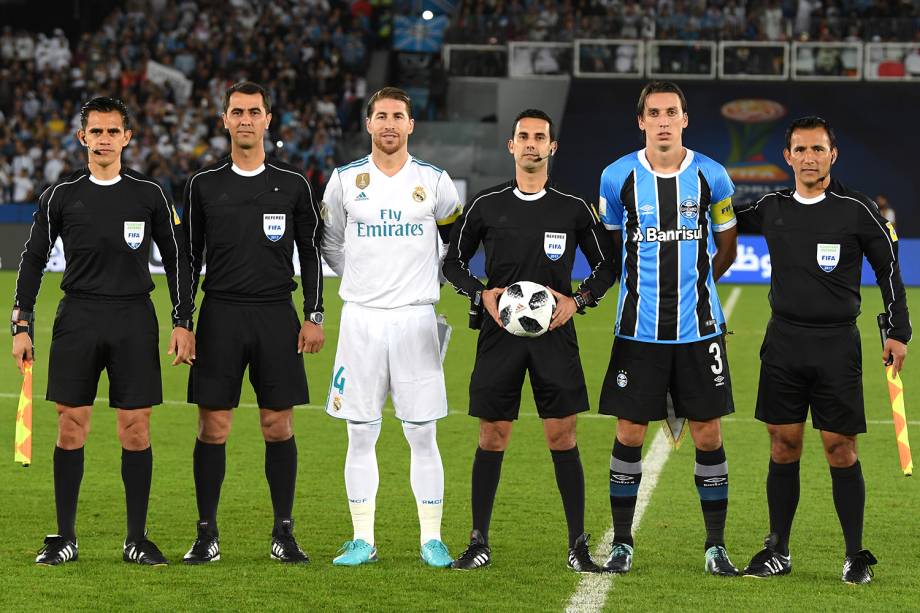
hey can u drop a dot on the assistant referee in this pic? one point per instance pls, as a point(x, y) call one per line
point(106, 215)
point(530, 230)
point(811, 356)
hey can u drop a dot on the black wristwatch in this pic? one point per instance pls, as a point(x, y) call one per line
point(183, 323)
point(317, 318)
point(583, 299)
point(18, 315)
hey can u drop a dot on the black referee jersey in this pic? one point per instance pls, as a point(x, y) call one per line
point(816, 249)
point(245, 225)
point(529, 237)
point(106, 228)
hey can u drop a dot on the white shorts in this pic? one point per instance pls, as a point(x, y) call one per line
point(384, 351)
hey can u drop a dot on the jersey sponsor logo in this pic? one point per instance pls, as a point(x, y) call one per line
point(646, 209)
point(689, 209)
point(273, 225)
point(134, 233)
point(828, 256)
point(363, 180)
point(418, 194)
point(390, 225)
point(654, 235)
point(622, 379)
point(554, 244)
point(361, 197)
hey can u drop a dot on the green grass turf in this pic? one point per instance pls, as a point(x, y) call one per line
point(528, 529)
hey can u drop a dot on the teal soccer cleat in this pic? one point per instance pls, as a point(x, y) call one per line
point(434, 553)
point(356, 553)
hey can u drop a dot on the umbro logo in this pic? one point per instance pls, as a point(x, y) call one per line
point(361, 197)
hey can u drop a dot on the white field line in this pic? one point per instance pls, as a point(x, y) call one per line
point(592, 590)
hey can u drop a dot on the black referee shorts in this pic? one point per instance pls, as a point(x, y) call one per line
point(817, 367)
point(641, 374)
point(552, 360)
point(232, 336)
point(121, 337)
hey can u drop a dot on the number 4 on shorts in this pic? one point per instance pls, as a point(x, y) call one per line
point(338, 381)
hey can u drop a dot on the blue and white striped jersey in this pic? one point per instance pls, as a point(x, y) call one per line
point(667, 292)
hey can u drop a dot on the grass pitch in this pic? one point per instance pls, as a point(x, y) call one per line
point(528, 530)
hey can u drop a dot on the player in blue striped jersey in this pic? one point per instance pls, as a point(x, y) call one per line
point(671, 214)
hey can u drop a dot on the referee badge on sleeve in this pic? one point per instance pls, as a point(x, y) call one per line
point(554, 244)
point(273, 226)
point(134, 233)
point(828, 256)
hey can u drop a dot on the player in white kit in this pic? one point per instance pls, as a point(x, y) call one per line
point(384, 214)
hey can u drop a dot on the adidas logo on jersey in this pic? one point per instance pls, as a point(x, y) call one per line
point(361, 197)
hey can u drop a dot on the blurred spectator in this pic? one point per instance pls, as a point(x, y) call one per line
point(884, 208)
point(310, 54)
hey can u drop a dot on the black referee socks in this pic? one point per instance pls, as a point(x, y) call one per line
point(487, 470)
point(850, 501)
point(711, 476)
point(136, 474)
point(782, 499)
point(281, 473)
point(570, 479)
point(209, 465)
point(68, 474)
point(625, 477)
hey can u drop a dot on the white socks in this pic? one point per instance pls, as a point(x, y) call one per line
point(362, 477)
point(426, 474)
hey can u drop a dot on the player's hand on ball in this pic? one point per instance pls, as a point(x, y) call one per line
point(182, 345)
point(895, 351)
point(490, 302)
point(22, 350)
point(311, 338)
point(565, 308)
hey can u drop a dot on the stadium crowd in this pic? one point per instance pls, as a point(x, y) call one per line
point(170, 61)
point(491, 21)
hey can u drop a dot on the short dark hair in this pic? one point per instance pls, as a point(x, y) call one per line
point(391, 93)
point(248, 87)
point(809, 123)
point(660, 87)
point(534, 114)
point(105, 104)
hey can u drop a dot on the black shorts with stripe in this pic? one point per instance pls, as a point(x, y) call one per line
point(641, 375)
point(231, 336)
point(119, 336)
point(820, 368)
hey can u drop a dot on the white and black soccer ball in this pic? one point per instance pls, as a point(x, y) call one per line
point(525, 308)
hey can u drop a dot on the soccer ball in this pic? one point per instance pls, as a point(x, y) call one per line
point(525, 308)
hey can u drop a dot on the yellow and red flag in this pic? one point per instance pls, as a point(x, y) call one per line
point(23, 452)
point(896, 394)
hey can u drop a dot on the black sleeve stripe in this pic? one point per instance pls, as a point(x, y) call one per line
point(169, 217)
point(319, 261)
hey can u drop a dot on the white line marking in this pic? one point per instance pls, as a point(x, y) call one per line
point(592, 590)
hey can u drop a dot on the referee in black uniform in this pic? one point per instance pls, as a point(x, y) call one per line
point(811, 356)
point(106, 216)
point(244, 215)
point(514, 222)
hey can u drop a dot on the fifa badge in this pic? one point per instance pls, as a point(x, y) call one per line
point(134, 233)
point(363, 180)
point(419, 194)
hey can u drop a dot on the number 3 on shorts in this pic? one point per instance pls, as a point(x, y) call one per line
point(338, 381)
point(716, 352)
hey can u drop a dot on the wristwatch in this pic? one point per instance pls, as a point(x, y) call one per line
point(19, 315)
point(183, 323)
point(583, 299)
point(317, 317)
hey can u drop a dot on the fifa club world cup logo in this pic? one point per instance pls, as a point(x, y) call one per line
point(750, 125)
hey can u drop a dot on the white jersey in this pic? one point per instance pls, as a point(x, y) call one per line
point(381, 233)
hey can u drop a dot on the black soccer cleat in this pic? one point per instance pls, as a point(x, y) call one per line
point(718, 563)
point(56, 550)
point(477, 554)
point(206, 547)
point(284, 546)
point(768, 562)
point(620, 560)
point(857, 568)
point(144, 552)
point(580, 559)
